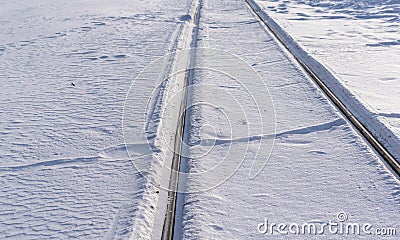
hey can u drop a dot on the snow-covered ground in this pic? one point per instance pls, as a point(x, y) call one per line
point(319, 166)
point(66, 68)
point(359, 42)
point(66, 73)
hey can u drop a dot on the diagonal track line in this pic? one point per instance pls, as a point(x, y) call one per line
point(365, 132)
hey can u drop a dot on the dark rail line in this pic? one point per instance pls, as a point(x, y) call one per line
point(379, 148)
point(170, 217)
point(169, 222)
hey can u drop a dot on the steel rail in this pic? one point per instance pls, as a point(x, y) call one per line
point(170, 217)
point(365, 132)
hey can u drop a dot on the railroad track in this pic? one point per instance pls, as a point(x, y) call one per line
point(171, 218)
point(365, 132)
point(171, 212)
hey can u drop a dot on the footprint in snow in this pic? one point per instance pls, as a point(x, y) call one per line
point(120, 56)
point(186, 17)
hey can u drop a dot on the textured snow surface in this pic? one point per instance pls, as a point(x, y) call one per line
point(359, 42)
point(319, 165)
point(66, 67)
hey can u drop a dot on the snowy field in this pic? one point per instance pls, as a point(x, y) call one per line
point(359, 42)
point(66, 68)
point(80, 93)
